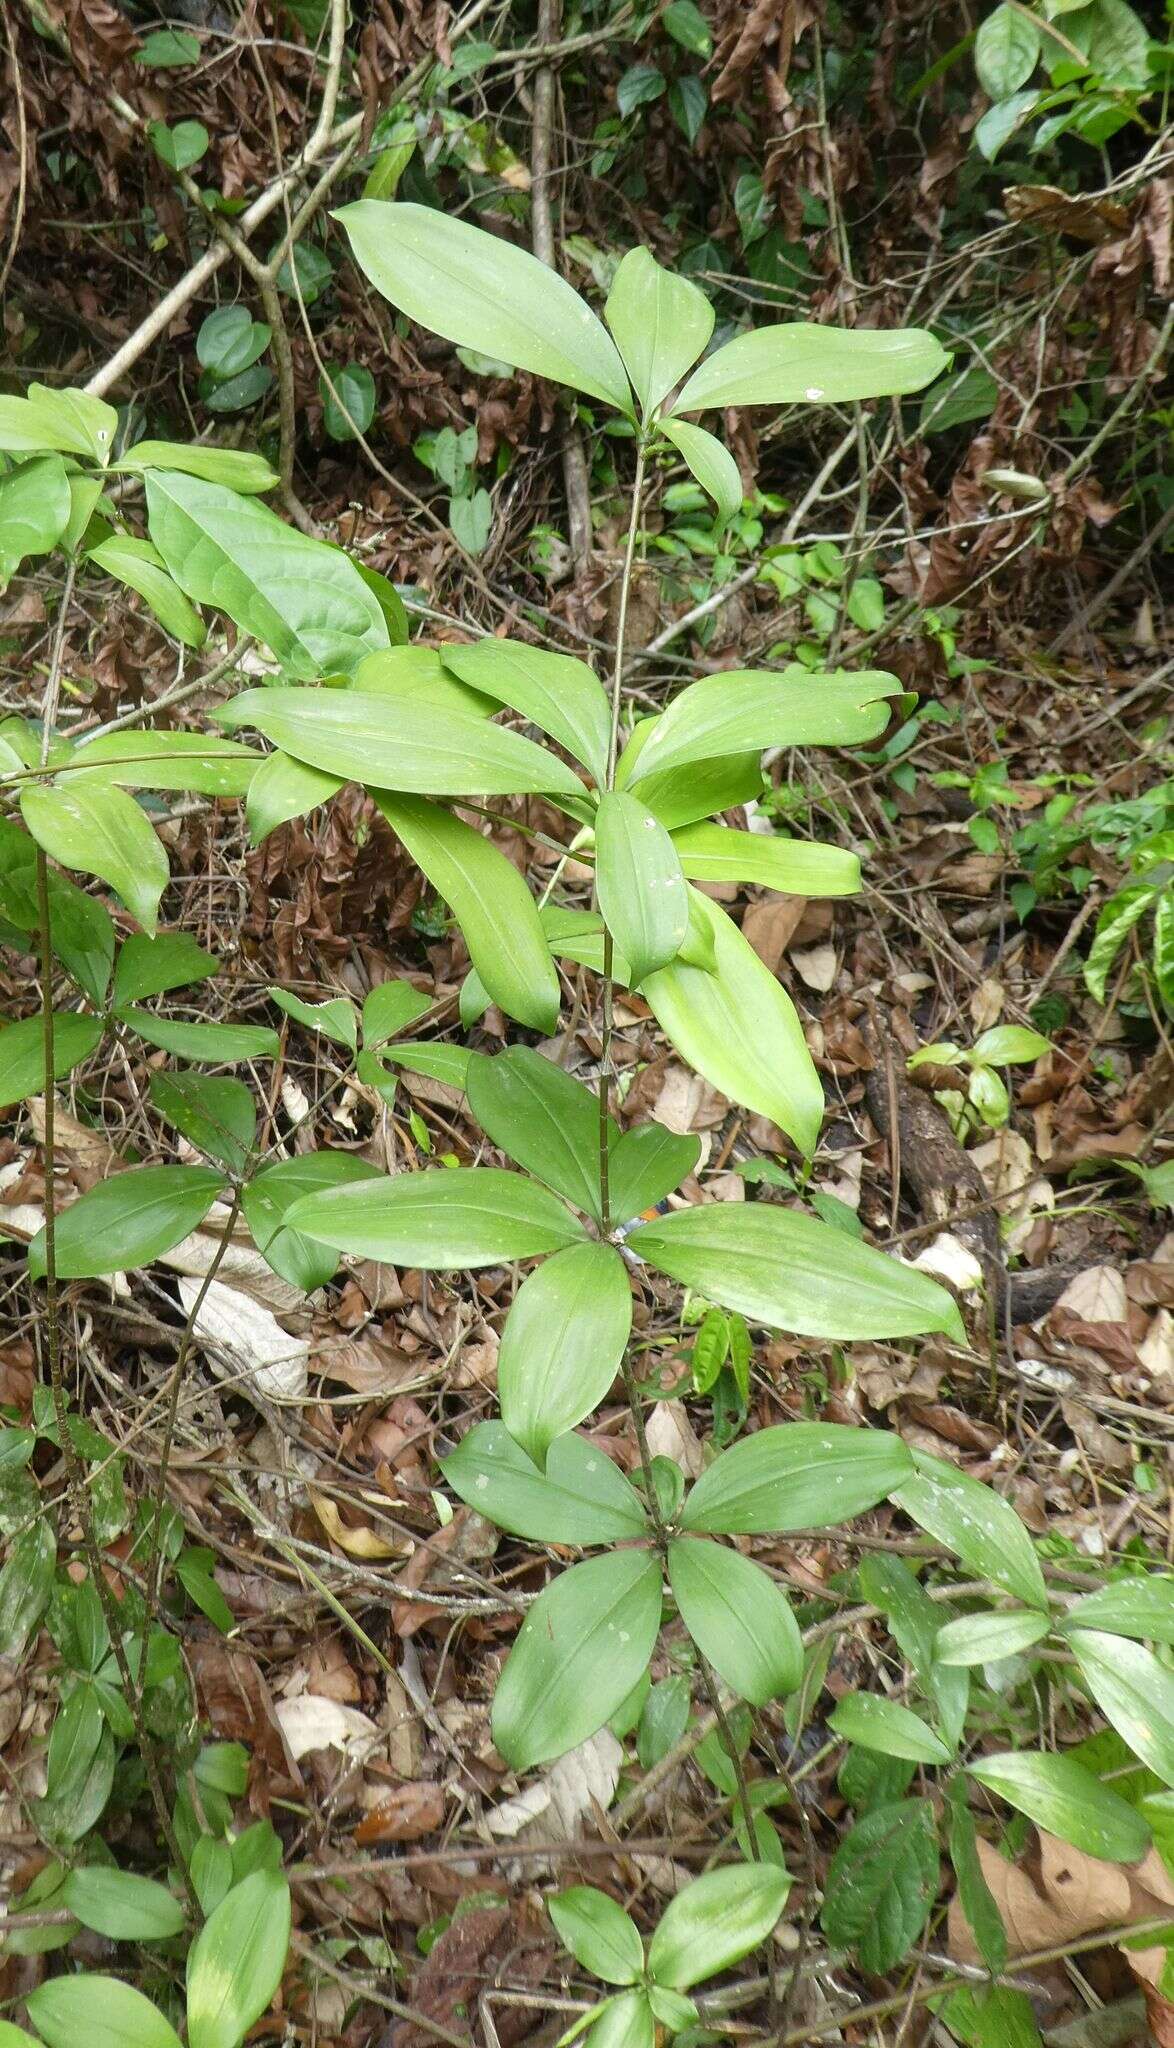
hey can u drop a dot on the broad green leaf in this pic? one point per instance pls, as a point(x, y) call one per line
point(624, 2021)
point(640, 886)
point(128, 1220)
point(972, 1520)
point(599, 1934)
point(1163, 952)
point(26, 1582)
point(797, 867)
point(661, 324)
point(388, 599)
point(1006, 51)
point(218, 1115)
point(274, 1190)
point(582, 1498)
point(711, 463)
point(140, 566)
point(69, 420)
point(418, 671)
point(1114, 924)
point(1058, 1794)
point(15, 2037)
point(150, 966)
point(738, 1028)
point(35, 507)
point(120, 1905)
point(1136, 1606)
point(348, 400)
point(543, 1118)
point(389, 1008)
point(994, 2017)
point(415, 746)
point(213, 1043)
point(714, 1922)
point(235, 467)
point(974, 1893)
point(646, 1164)
point(682, 796)
point(988, 1638)
point(797, 1475)
point(1116, 42)
point(490, 902)
point(881, 1884)
point(236, 1961)
point(100, 2011)
point(563, 1343)
point(662, 1716)
point(1008, 1045)
point(304, 599)
point(164, 760)
point(441, 1218)
point(22, 1052)
point(484, 293)
point(578, 935)
point(577, 1656)
point(334, 1018)
point(738, 1619)
point(558, 693)
point(888, 1727)
point(83, 933)
point(739, 709)
point(797, 364)
point(792, 1272)
point(447, 1063)
point(283, 788)
point(1000, 122)
point(98, 831)
point(1133, 1691)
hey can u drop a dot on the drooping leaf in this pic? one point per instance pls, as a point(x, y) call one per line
point(140, 566)
point(490, 902)
point(441, 1218)
point(1136, 1606)
point(976, 1523)
point(599, 1934)
point(208, 765)
point(1133, 1691)
point(977, 1900)
point(484, 293)
point(128, 1220)
point(661, 323)
point(582, 1498)
point(738, 1028)
point(82, 930)
point(682, 796)
point(389, 1008)
point(793, 1272)
point(1115, 921)
point(543, 1118)
point(99, 831)
point(796, 1475)
point(797, 364)
point(35, 506)
point(213, 1043)
point(215, 1113)
point(714, 1922)
point(236, 1961)
point(304, 599)
point(881, 1884)
point(737, 710)
point(987, 1638)
point(22, 1052)
point(283, 788)
point(797, 867)
point(646, 1164)
point(577, 1656)
point(300, 1260)
point(641, 889)
point(711, 463)
point(238, 468)
point(150, 966)
point(888, 1727)
point(558, 693)
point(738, 1619)
point(335, 1018)
point(562, 1344)
point(1060, 1795)
point(98, 2010)
point(69, 420)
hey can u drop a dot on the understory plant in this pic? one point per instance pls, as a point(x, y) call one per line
point(594, 1210)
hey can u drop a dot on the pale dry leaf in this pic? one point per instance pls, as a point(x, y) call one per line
point(686, 1103)
point(357, 1541)
point(986, 1004)
point(948, 1259)
point(671, 1435)
point(585, 1777)
point(816, 967)
point(245, 1344)
point(313, 1721)
point(1096, 1296)
point(1156, 1350)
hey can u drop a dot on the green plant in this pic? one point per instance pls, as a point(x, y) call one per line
point(1099, 59)
point(985, 1099)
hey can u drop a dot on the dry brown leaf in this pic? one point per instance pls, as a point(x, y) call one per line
point(1096, 1296)
point(357, 1542)
point(402, 1815)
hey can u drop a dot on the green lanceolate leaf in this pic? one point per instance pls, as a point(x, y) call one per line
point(1133, 1691)
point(441, 1218)
point(213, 1043)
point(661, 324)
point(1114, 924)
point(711, 463)
point(738, 1619)
point(300, 1260)
point(987, 1638)
point(401, 672)
point(682, 796)
point(69, 420)
point(283, 788)
point(742, 709)
point(578, 1654)
point(83, 934)
point(599, 1934)
point(993, 2017)
point(490, 902)
point(26, 1582)
point(103, 832)
point(796, 867)
point(882, 1883)
point(738, 1027)
point(483, 293)
point(120, 1905)
point(888, 1727)
point(543, 1118)
point(645, 1164)
point(973, 1521)
point(22, 1052)
point(1060, 1795)
point(140, 566)
point(624, 2021)
point(236, 1961)
point(797, 364)
point(235, 467)
point(150, 966)
point(714, 1922)
point(216, 1114)
point(389, 1008)
point(304, 599)
point(641, 889)
point(415, 746)
point(559, 694)
point(563, 1343)
point(35, 506)
point(793, 1272)
point(582, 1498)
point(128, 1220)
point(335, 1018)
point(100, 2011)
point(977, 1900)
point(194, 761)
point(798, 1475)
point(1136, 1606)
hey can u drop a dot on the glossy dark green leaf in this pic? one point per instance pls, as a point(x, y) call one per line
point(888, 1727)
point(975, 1896)
point(215, 1113)
point(1133, 1691)
point(797, 1475)
point(389, 1008)
point(563, 1343)
point(738, 1618)
point(976, 1523)
point(647, 1163)
point(300, 1260)
point(335, 1018)
point(348, 400)
point(441, 1218)
point(881, 1884)
point(128, 1220)
point(543, 1118)
point(577, 1656)
point(582, 1498)
point(214, 1043)
point(150, 966)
